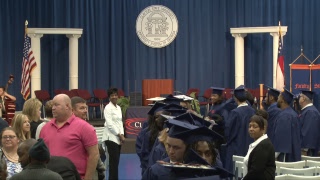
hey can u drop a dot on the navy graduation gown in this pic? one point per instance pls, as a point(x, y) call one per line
point(220, 110)
point(145, 124)
point(142, 148)
point(287, 135)
point(273, 112)
point(310, 124)
point(157, 172)
point(236, 132)
point(158, 152)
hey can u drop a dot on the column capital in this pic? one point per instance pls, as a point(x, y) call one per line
point(235, 35)
point(283, 33)
point(73, 36)
point(35, 35)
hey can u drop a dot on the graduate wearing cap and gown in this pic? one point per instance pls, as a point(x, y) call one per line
point(236, 131)
point(158, 151)
point(287, 143)
point(143, 146)
point(211, 172)
point(310, 124)
point(202, 140)
point(176, 151)
point(217, 108)
point(273, 110)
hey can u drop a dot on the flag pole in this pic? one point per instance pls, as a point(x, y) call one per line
point(25, 28)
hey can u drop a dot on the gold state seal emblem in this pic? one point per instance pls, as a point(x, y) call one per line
point(157, 26)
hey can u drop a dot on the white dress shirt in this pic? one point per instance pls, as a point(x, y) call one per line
point(113, 125)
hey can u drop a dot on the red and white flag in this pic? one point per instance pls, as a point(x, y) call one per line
point(280, 64)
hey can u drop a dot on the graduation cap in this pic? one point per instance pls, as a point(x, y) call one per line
point(176, 127)
point(296, 96)
point(175, 109)
point(158, 106)
point(240, 92)
point(199, 134)
point(170, 99)
point(287, 96)
point(192, 158)
point(184, 97)
point(273, 92)
point(217, 90)
point(309, 94)
point(198, 121)
point(176, 112)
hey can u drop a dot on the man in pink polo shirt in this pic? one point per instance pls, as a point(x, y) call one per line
point(69, 136)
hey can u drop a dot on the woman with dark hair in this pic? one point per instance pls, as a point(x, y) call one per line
point(259, 163)
point(113, 135)
point(9, 144)
point(148, 135)
point(207, 150)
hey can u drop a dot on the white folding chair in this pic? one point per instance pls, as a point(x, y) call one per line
point(310, 158)
point(99, 132)
point(295, 177)
point(301, 172)
point(234, 159)
point(239, 166)
point(281, 177)
point(298, 164)
point(310, 163)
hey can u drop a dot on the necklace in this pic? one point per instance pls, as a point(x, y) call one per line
point(13, 159)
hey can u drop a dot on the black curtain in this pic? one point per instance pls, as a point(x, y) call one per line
point(111, 54)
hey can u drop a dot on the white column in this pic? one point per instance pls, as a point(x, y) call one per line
point(275, 36)
point(36, 73)
point(73, 61)
point(239, 58)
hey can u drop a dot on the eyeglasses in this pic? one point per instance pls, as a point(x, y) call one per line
point(8, 137)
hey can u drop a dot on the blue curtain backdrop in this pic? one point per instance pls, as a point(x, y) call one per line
point(111, 54)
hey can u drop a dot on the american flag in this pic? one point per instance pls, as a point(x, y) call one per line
point(28, 64)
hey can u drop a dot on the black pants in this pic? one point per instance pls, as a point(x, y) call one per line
point(114, 157)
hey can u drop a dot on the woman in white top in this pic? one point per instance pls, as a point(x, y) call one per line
point(113, 135)
point(259, 163)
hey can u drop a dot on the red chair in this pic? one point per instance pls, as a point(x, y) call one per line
point(64, 91)
point(191, 90)
point(43, 96)
point(121, 93)
point(10, 107)
point(74, 92)
point(102, 95)
point(58, 91)
point(83, 93)
point(206, 97)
